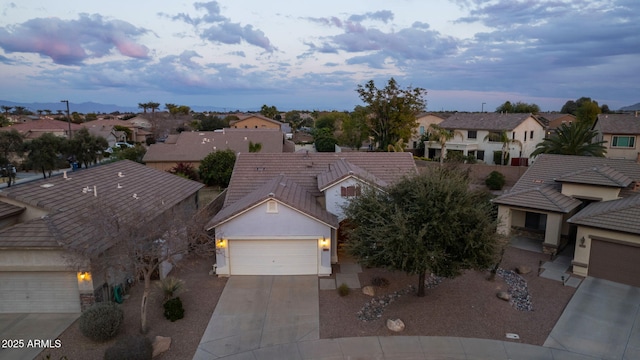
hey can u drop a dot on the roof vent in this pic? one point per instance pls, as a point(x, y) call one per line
point(271, 194)
point(135, 196)
point(46, 186)
point(120, 174)
point(538, 181)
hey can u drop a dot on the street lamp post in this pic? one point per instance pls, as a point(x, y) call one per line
point(68, 116)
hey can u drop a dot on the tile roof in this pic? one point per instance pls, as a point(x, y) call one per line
point(283, 190)
point(194, 146)
point(618, 215)
point(8, 210)
point(628, 124)
point(342, 169)
point(69, 199)
point(252, 170)
point(33, 234)
point(541, 198)
point(41, 126)
point(486, 121)
point(600, 176)
point(547, 168)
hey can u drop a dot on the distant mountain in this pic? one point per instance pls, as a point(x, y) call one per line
point(92, 107)
point(634, 107)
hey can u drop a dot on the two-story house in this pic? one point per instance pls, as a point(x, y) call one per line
point(282, 212)
point(424, 121)
point(479, 135)
point(621, 132)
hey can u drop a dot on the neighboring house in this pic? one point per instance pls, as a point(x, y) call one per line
point(591, 202)
point(106, 129)
point(140, 122)
point(282, 212)
point(621, 132)
point(192, 147)
point(257, 121)
point(527, 129)
point(34, 129)
point(36, 272)
point(424, 120)
point(553, 120)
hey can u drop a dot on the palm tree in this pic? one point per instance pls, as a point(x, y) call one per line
point(143, 106)
point(6, 109)
point(442, 135)
point(503, 137)
point(153, 106)
point(254, 147)
point(575, 139)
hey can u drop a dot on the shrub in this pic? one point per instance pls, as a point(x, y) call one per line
point(343, 290)
point(173, 309)
point(136, 347)
point(379, 281)
point(101, 321)
point(171, 287)
point(495, 181)
point(497, 158)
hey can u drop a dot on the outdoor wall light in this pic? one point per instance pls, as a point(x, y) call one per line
point(582, 240)
point(324, 242)
point(221, 243)
point(85, 276)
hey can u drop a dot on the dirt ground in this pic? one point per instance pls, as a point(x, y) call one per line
point(466, 306)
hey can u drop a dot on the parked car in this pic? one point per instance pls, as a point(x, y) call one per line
point(118, 145)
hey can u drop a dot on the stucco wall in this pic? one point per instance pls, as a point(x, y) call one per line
point(620, 153)
point(590, 192)
point(334, 201)
point(37, 260)
point(581, 255)
point(253, 122)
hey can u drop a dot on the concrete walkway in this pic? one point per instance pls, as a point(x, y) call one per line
point(32, 330)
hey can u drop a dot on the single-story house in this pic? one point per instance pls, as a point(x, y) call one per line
point(591, 202)
point(107, 129)
point(477, 134)
point(39, 274)
point(282, 212)
point(192, 147)
point(621, 132)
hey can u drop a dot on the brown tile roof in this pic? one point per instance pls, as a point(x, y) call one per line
point(36, 127)
point(285, 191)
point(342, 169)
point(541, 198)
point(601, 176)
point(252, 170)
point(68, 200)
point(33, 234)
point(619, 215)
point(194, 146)
point(8, 210)
point(547, 168)
point(485, 121)
point(628, 124)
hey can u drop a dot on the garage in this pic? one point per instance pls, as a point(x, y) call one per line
point(39, 292)
point(615, 261)
point(273, 257)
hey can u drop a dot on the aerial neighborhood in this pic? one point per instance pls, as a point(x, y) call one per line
point(320, 231)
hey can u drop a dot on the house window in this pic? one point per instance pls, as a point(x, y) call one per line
point(525, 136)
point(480, 155)
point(535, 221)
point(623, 141)
point(472, 134)
point(531, 134)
point(272, 206)
point(494, 136)
point(352, 190)
point(421, 129)
point(513, 135)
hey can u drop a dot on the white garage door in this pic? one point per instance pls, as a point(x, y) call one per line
point(39, 292)
point(273, 257)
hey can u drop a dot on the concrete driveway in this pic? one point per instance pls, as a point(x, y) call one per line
point(601, 320)
point(262, 311)
point(29, 328)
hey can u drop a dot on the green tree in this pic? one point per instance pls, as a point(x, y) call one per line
point(217, 167)
point(423, 224)
point(294, 119)
point(143, 106)
point(6, 109)
point(44, 153)
point(518, 107)
point(153, 106)
point(269, 111)
point(85, 148)
point(354, 129)
point(135, 153)
point(503, 137)
point(254, 147)
point(575, 139)
point(11, 144)
point(442, 136)
point(324, 140)
point(393, 111)
point(332, 120)
point(585, 109)
point(212, 122)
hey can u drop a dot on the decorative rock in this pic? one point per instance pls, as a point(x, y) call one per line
point(369, 290)
point(395, 325)
point(503, 295)
point(160, 345)
point(522, 269)
point(520, 297)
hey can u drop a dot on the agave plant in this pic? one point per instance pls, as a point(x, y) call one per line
point(171, 287)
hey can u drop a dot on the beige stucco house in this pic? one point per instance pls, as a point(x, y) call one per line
point(37, 273)
point(591, 202)
point(472, 130)
point(256, 121)
point(621, 133)
point(424, 120)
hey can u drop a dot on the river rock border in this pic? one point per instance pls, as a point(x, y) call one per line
point(520, 297)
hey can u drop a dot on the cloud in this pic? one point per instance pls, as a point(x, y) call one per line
point(217, 28)
point(383, 15)
point(70, 42)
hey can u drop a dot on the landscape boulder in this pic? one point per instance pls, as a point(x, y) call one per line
point(396, 325)
point(503, 295)
point(523, 269)
point(160, 345)
point(369, 290)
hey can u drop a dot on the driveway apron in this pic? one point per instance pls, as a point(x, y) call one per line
point(261, 311)
point(24, 336)
point(602, 320)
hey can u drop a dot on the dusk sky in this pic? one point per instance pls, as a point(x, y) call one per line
point(310, 55)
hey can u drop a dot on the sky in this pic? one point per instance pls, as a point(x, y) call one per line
point(469, 55)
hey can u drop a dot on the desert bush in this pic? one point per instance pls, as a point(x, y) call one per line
point(379, 281)
point(495, 181)
point(136, 347)
point(101, 321)
point(171, 287)
point(343, 290)
point(173, 309)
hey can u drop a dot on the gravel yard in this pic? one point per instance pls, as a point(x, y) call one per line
point(466, 306)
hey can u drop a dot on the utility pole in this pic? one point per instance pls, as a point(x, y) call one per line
point(68, 116)
point(482, 107)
